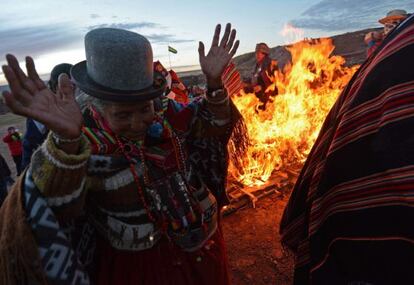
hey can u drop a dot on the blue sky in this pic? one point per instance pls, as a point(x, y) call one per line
point(52, 31)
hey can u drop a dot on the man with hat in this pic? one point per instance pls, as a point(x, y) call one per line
point(128, 186)
point(263, 71)
point(390, 22)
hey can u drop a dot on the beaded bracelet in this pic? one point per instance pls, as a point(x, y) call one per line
point(59, 140)
point(211, 97)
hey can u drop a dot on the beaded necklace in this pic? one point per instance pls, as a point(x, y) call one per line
point(178, 148)
point(136, 178)
point(168, 132)
point(179, 156)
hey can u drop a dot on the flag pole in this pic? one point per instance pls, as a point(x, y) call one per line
point(169, 56)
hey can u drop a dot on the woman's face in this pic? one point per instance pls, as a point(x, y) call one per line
point(130, 120)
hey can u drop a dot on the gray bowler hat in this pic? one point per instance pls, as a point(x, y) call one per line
point(118, 67)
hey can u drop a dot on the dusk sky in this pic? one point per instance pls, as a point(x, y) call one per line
point(52, 31)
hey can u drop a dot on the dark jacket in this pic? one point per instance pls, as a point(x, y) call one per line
point(4, 173)
point(4, 168)
point(262, 71)
point(32, 139)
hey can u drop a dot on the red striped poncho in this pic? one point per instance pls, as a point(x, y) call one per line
point(350, 217)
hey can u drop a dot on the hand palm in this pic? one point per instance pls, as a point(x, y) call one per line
point(60, 115)
point(215, 62)
point(219, 55)
point(29, 97)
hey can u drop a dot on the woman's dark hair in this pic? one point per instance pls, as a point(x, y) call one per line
point(54, 75)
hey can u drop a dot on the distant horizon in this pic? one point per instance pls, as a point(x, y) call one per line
point(182, 68)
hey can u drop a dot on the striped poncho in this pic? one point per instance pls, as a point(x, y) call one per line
point(350, 217)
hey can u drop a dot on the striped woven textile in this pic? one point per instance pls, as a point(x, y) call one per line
point(232, 80)
point(350, 218)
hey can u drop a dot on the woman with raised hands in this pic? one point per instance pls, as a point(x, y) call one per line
point(128, 186)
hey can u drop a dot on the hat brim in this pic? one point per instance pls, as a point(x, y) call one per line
point(85, 83)
point(392, 18)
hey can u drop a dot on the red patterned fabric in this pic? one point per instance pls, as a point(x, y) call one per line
point(179, 89)
point(232, 80)
point(163, 264)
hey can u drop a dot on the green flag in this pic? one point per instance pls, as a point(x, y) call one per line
point(171, 49)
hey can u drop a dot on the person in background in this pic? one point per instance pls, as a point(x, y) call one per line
point(36, 132)
point(176, 89)
point(5, 179)
point(390, 22)
point(13, 139)
point(263, 71)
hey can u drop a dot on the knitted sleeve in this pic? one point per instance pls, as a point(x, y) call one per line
point(61, 177)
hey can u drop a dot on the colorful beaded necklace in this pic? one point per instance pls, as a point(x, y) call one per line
point(167, 133)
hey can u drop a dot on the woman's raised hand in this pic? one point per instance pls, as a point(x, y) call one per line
point(31, 98)
point(219, 55)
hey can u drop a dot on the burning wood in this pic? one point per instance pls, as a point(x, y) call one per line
point(278, 184)
point(282, 135)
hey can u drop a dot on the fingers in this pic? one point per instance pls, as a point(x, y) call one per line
point(216, 36)
point(65, 87)
point(201, 51)
point(236, 46)
point(226, 35)
point(19, 93)
point(20, 75)
point(15, 105)
point(228, 39)
point(14, 64)
point(231, 41)
point(32, 73)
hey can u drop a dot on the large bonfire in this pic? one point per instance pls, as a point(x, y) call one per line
point(283, 134)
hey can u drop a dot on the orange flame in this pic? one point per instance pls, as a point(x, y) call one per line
point(284, 133)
